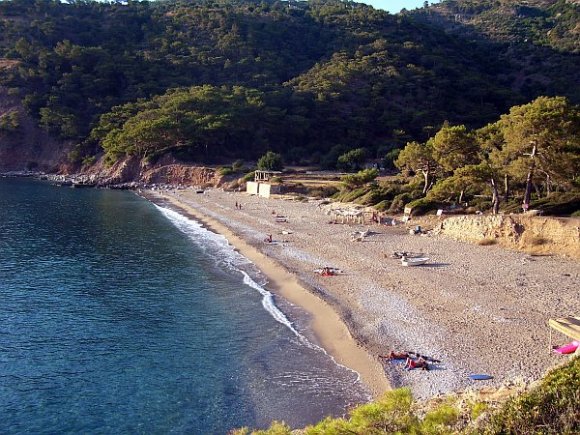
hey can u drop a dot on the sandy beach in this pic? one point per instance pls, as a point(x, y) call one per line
point(477, 309)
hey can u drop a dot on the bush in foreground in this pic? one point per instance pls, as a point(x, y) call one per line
point(552, 407)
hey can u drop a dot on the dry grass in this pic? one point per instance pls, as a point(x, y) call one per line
point(487, 242)
point(537, 241)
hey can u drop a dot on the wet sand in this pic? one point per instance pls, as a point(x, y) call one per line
point(478, 309)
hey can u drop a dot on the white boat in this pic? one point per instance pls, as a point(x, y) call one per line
point(405, 261)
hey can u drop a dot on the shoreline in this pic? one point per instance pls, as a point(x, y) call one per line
point(477, 309)
point(327, 325)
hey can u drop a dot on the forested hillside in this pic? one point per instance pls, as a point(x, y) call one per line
point(212, 81)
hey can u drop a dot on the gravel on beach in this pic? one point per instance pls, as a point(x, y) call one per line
point(477, 309)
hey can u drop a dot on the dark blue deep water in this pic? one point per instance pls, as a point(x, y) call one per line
point(118, 316)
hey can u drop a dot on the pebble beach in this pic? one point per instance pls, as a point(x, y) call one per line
point(477, 309)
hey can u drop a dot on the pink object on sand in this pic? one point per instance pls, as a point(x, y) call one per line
point(567, 348)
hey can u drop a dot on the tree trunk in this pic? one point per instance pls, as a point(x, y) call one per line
point(506, 187)
point(495, 197)
point(426, 185)
point(460, 200)
point(548, 185)
point(530, 177)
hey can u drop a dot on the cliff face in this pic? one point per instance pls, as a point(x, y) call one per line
point(533, 234)
point(166, 171)
point(23, 145)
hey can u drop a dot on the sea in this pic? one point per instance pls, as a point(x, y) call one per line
point(121, 316)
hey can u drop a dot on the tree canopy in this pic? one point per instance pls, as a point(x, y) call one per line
point(329, 73)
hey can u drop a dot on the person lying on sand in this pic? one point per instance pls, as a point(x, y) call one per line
point(425, 357)
point(419, 363)
point(395, 355)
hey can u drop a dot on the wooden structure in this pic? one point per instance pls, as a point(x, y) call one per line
point(264, 176)
point(261, 185)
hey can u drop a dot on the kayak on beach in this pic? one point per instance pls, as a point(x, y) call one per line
point(567, 349)
point(480, 377)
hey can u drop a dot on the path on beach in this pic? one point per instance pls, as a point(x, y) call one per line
point(478, 309)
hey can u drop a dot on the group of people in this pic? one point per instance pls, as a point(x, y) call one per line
point(412, 360)
point(238, 205)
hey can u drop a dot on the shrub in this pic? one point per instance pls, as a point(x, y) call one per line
point(351, 195)
point(225, 170)
point(322, 192)
point(360, 178)
point(440, 420)
point(270, 161)
point(249, 176)
point(384, 205)
point(550, 408)
point(391, 414)
point(89, 160)
point(487, 242)
point(398, 203)
point(477, 409)
point(422, 206)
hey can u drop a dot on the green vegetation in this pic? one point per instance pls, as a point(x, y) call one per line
point(552, 407)
point(528, 159)
point(326, 83)
point(9, 122)
point(319, 79)
point(270, 162)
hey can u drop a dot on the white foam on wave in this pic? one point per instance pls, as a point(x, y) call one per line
point(218, 247)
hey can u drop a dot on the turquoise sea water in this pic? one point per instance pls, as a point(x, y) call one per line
point(118, 316)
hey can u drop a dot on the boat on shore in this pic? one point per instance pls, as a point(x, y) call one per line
point(418, 261)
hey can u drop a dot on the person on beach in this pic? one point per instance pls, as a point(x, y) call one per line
point(395, 355)
point(327, 271)
point(236, 205)
point(419, 363)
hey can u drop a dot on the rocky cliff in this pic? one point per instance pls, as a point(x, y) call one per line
point(534, 234)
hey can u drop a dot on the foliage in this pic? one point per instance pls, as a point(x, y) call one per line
point(551, 408)
point(422, 206)
point(352, 160)
point(543, 137)
point(249, 176)
point(348, 74)
point(10, 122)
point(362, 177)
point(390, 414)
point(454, 147)
point(225, 170)
point(216, 82)
point(416, 157)
point(201, 122)
point(270, 162)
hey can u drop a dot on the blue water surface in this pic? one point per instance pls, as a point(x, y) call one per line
point(117, 316)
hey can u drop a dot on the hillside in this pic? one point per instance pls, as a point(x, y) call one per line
point(538, 40)
point(322, 77)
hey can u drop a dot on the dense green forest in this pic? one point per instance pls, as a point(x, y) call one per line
point(528, 159)
point(211, 81)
